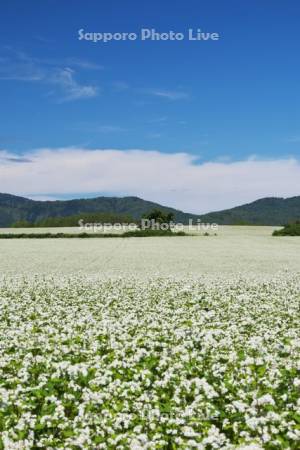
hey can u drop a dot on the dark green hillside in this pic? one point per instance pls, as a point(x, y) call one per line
point(266, 211)
point(291, 229)
point(14, 209)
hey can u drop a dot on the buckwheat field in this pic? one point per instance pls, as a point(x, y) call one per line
point(151, 343)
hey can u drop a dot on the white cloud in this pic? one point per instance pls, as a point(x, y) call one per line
point(169, 95)
point(172, 179)
point(18, 66)
point(81, 63)
point(71, 89)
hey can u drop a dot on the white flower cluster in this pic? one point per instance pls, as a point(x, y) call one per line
point(152, 364)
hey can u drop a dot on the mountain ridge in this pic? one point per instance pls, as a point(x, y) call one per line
point(264, 211)
point(15, 208)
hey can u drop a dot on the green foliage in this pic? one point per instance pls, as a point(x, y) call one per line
point(73, 221)
point(55, 235)
point(22, 224)
point(14, 209)
point(149, 233)
point(242, 223)
point(86, 362)
point(159, 216)
point(291, 229)
point(266, 211)
point(127, 234)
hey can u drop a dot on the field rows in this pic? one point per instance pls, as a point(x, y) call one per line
point(156, 364)
point(235, 250)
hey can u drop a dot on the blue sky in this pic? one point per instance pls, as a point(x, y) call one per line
point(221, 101)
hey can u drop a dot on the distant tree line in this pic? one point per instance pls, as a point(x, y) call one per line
point(73, 221)
point(157, 216)
point(291, 229)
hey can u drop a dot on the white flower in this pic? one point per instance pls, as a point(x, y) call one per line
point(266, 399)
point(188, 432)
point(297, 382)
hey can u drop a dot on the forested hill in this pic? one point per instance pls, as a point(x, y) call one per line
point(266, 211)
point(14, 208)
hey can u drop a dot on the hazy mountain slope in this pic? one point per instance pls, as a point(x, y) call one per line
point(266, 211)
point(13, 208)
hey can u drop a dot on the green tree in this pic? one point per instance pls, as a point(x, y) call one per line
point(158, 217)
